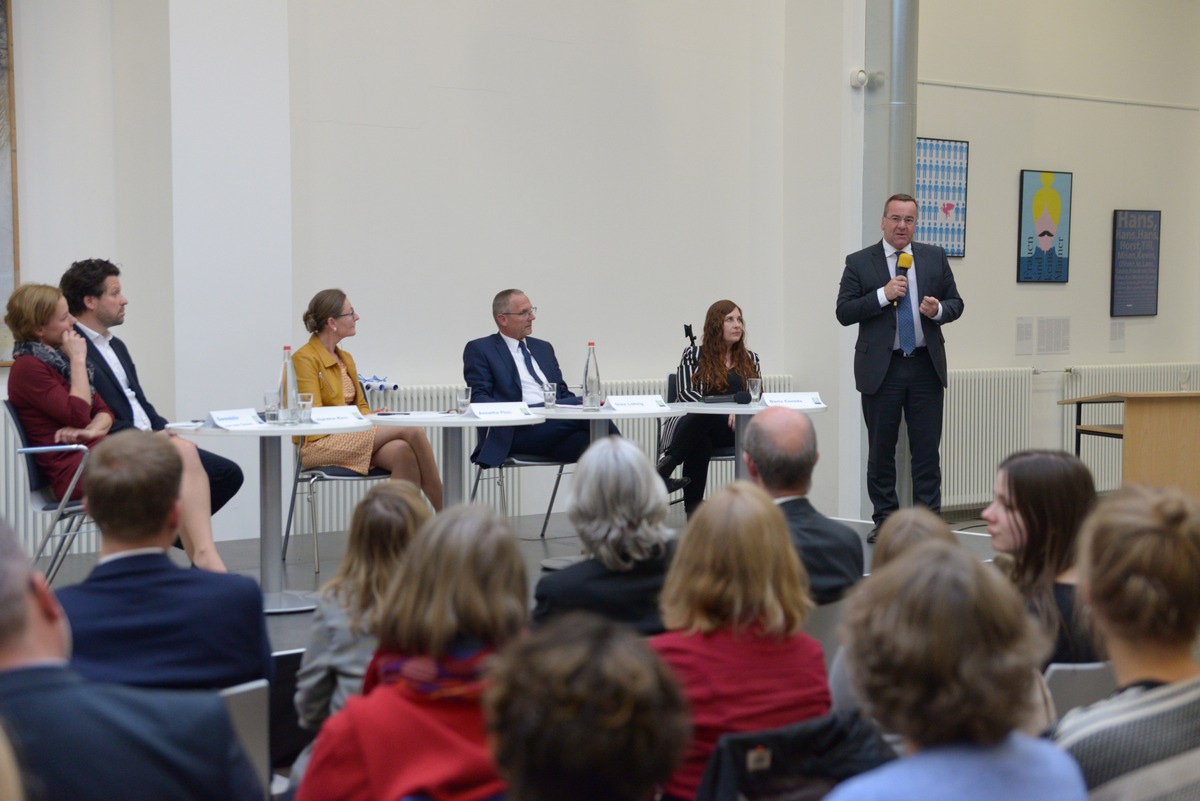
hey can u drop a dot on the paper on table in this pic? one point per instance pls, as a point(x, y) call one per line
point(636, 403)
point(499, 411)
point(336, 414)
point(414, 416)
point(794, 400)
point(231, 419)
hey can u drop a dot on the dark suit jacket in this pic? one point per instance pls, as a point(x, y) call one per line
point(491, 373)
point(629, 597)
point(832, 553)
point(866, 271)
point(105, 382)
point(142, 621)
point(87, 742)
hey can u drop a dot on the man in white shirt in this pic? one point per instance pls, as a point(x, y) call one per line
point(92, 288)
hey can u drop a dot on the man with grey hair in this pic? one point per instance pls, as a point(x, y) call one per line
point(84, 741)
point(780, 454)
point(510, 366)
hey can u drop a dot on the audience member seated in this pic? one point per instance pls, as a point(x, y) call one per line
point(459, 595)
point(780, 453)
point(92, 288)
point(12, 775)
point(903, 530)
point(329, 373)
point(734, 602)
point(342, 641)
point(943, 653)
point(97, 742)
point(138, 618)
point(509, 367)
point(584, 711)
point(721, 365)
point(49, 385)
point(1041, 500)
point(618, 508)
point(1139, 569)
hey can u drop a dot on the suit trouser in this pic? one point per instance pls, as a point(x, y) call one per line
point(224, 477)
point(911, 387)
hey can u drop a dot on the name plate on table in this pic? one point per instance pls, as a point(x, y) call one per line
point(236, 419)
point(636, 403)
point(336, 414)
point(794, 400)
point(499, 411)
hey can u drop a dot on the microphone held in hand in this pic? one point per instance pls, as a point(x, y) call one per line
point(903, 264)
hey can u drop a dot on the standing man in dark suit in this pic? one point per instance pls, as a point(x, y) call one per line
point(780, 454)
point(900, 356)
point(139, 619)
point(511, 366)
point(92, 288)
point(95, 742)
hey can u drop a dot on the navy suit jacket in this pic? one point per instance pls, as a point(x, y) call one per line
point(86, 742)
point(142, 621)
point(832, 552)
point(105, 382)
point(866, 271)
point(491, 373)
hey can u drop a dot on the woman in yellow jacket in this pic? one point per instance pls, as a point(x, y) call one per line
point(329, 373)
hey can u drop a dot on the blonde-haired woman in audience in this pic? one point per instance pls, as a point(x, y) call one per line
point(1041, 500)
point(618, 506)
point(1139, 570)
point(341, 640)
point(460, 595)
point(329, 373)
point(943, 653)
point(734, 602)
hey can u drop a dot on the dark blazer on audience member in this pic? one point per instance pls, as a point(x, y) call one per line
point(832, 553)
point(629, 597)
point(224, 476)
point(86, 742)
point(491, 373)
point(143, 621)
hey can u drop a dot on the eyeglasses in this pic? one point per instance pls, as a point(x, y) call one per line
point(346, 314)
point(896, 220)
point(532, 310)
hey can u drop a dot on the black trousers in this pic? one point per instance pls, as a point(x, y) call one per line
point(912, 388)
point(224, 477)
point(696, 436)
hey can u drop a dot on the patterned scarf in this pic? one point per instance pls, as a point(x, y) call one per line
point(459, 674)
point(53, 357)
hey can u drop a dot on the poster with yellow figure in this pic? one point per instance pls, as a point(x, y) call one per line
point(1044, 243)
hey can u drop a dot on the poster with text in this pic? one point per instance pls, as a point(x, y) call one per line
point(1136, 236)
point(1044, 238)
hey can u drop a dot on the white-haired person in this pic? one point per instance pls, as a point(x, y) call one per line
point(1139, 570)
point(618, 509)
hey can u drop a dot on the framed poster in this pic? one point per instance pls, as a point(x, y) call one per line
point(1136, 236)
point(941, 193)
point(1044, 230)
point(9, 276)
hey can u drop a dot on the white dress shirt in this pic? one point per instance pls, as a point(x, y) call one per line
point(104, 346)
point(531, 386)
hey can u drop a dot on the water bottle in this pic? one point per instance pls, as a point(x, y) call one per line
point(592, 395)
point(289, 395)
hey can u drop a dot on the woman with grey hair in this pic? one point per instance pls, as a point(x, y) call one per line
point(618, 510)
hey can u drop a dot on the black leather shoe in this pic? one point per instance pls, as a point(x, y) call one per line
point(676, 484)
point(874, 535)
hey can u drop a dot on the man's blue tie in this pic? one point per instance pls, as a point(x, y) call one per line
point(529, 362)
point(904, 319)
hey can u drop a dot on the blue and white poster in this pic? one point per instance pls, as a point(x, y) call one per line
point(1044, 239)
point(941, 193)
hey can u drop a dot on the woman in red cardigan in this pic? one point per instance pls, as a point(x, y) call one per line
point(50, 389)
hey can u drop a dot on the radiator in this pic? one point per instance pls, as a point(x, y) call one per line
point(987, 417)
point(1102, 454)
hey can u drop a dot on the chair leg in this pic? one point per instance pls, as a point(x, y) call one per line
point(312, 523)
point(553, 495)
point(64, 547)
point(475, 486)
point(503, 491)
point(287, 530)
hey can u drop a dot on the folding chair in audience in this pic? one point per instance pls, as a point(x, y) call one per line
point(1078, 685)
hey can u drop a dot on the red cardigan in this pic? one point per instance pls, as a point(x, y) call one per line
point(395, 743)
point(740, 683)
point(43, 401)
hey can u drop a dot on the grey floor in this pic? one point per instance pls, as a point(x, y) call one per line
point(289, 632)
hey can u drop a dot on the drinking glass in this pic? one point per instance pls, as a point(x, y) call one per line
point(271, 406)
point(306, 404)
point(462, 397)
point(755, 387)
point(550, 395)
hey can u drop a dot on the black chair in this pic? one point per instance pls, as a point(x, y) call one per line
point(518, 460)
point(725, 454)
point(41, 496)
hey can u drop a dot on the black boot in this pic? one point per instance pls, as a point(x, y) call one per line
point(665, 467)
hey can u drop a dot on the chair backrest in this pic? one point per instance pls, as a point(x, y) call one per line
point(249, 710)
point(672, 387)
point(37, 480)
point(822, 626)
point(1078, 685)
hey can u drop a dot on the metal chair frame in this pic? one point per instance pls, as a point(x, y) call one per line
point(518, 460)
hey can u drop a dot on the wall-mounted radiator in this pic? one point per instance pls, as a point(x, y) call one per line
point(987, 418)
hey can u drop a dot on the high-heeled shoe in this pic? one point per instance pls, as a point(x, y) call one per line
point(665, 467)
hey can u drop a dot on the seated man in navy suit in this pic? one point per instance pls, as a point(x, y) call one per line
point(93, 742)
point(92, 288)
point(511, 366)
point(138, 618)
point(780, 454)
